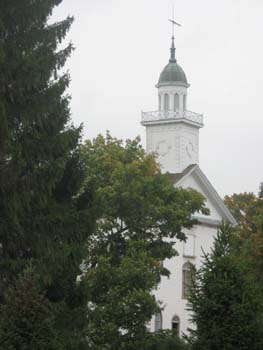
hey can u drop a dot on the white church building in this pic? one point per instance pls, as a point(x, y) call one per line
point(173, 133)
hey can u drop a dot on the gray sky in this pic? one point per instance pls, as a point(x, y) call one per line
point(121, 48)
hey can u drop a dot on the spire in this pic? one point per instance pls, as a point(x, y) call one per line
point(172, 58)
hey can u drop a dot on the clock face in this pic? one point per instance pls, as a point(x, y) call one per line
point(190, 150)
point(163, 148)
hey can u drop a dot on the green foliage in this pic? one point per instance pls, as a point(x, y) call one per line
point(43, 222)
point(165, 340)
point(133, 200)
point(224, 302)
point(248, 210)
point(138, 215)
point(119, 299)
point(38, 147)
point(26, 318)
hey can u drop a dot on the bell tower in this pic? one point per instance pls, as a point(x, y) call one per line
point(173, 131)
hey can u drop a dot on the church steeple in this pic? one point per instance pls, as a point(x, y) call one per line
point(172, 49)
point(172, 130)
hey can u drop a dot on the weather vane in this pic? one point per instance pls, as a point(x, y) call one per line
point(173, 22)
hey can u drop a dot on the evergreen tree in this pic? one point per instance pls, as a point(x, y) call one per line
point(40, 168)
point(224, 301)
point(248, 210)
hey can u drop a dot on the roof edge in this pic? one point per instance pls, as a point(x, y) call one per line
point(219, 201)
point(194, 168)
point(175, 83)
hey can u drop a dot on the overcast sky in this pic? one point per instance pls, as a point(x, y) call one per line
point(121, 48)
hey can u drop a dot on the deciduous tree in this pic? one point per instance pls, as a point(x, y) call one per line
point(138, 214)
point(248, 211)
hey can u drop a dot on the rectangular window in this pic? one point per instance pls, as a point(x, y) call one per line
point(189, 246)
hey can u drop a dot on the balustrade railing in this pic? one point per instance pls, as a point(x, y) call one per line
point(171, 115)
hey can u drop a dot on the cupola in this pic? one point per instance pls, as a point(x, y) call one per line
point(172, 74)
point(172, 86)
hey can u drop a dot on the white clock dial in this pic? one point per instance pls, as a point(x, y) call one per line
point(163, 148)
point(190, 150)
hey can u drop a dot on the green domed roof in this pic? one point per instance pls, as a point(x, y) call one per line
point(172, 74)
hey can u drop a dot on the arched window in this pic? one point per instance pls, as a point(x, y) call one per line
point(166, 102)
point(176, 102)
point(176, 324)
point(188, 270)
point(184, 103)
point(158, 322)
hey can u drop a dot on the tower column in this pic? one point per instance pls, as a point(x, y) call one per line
point(171, 101)
point(181, 102)
point(162, 101)
point(185, 102)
